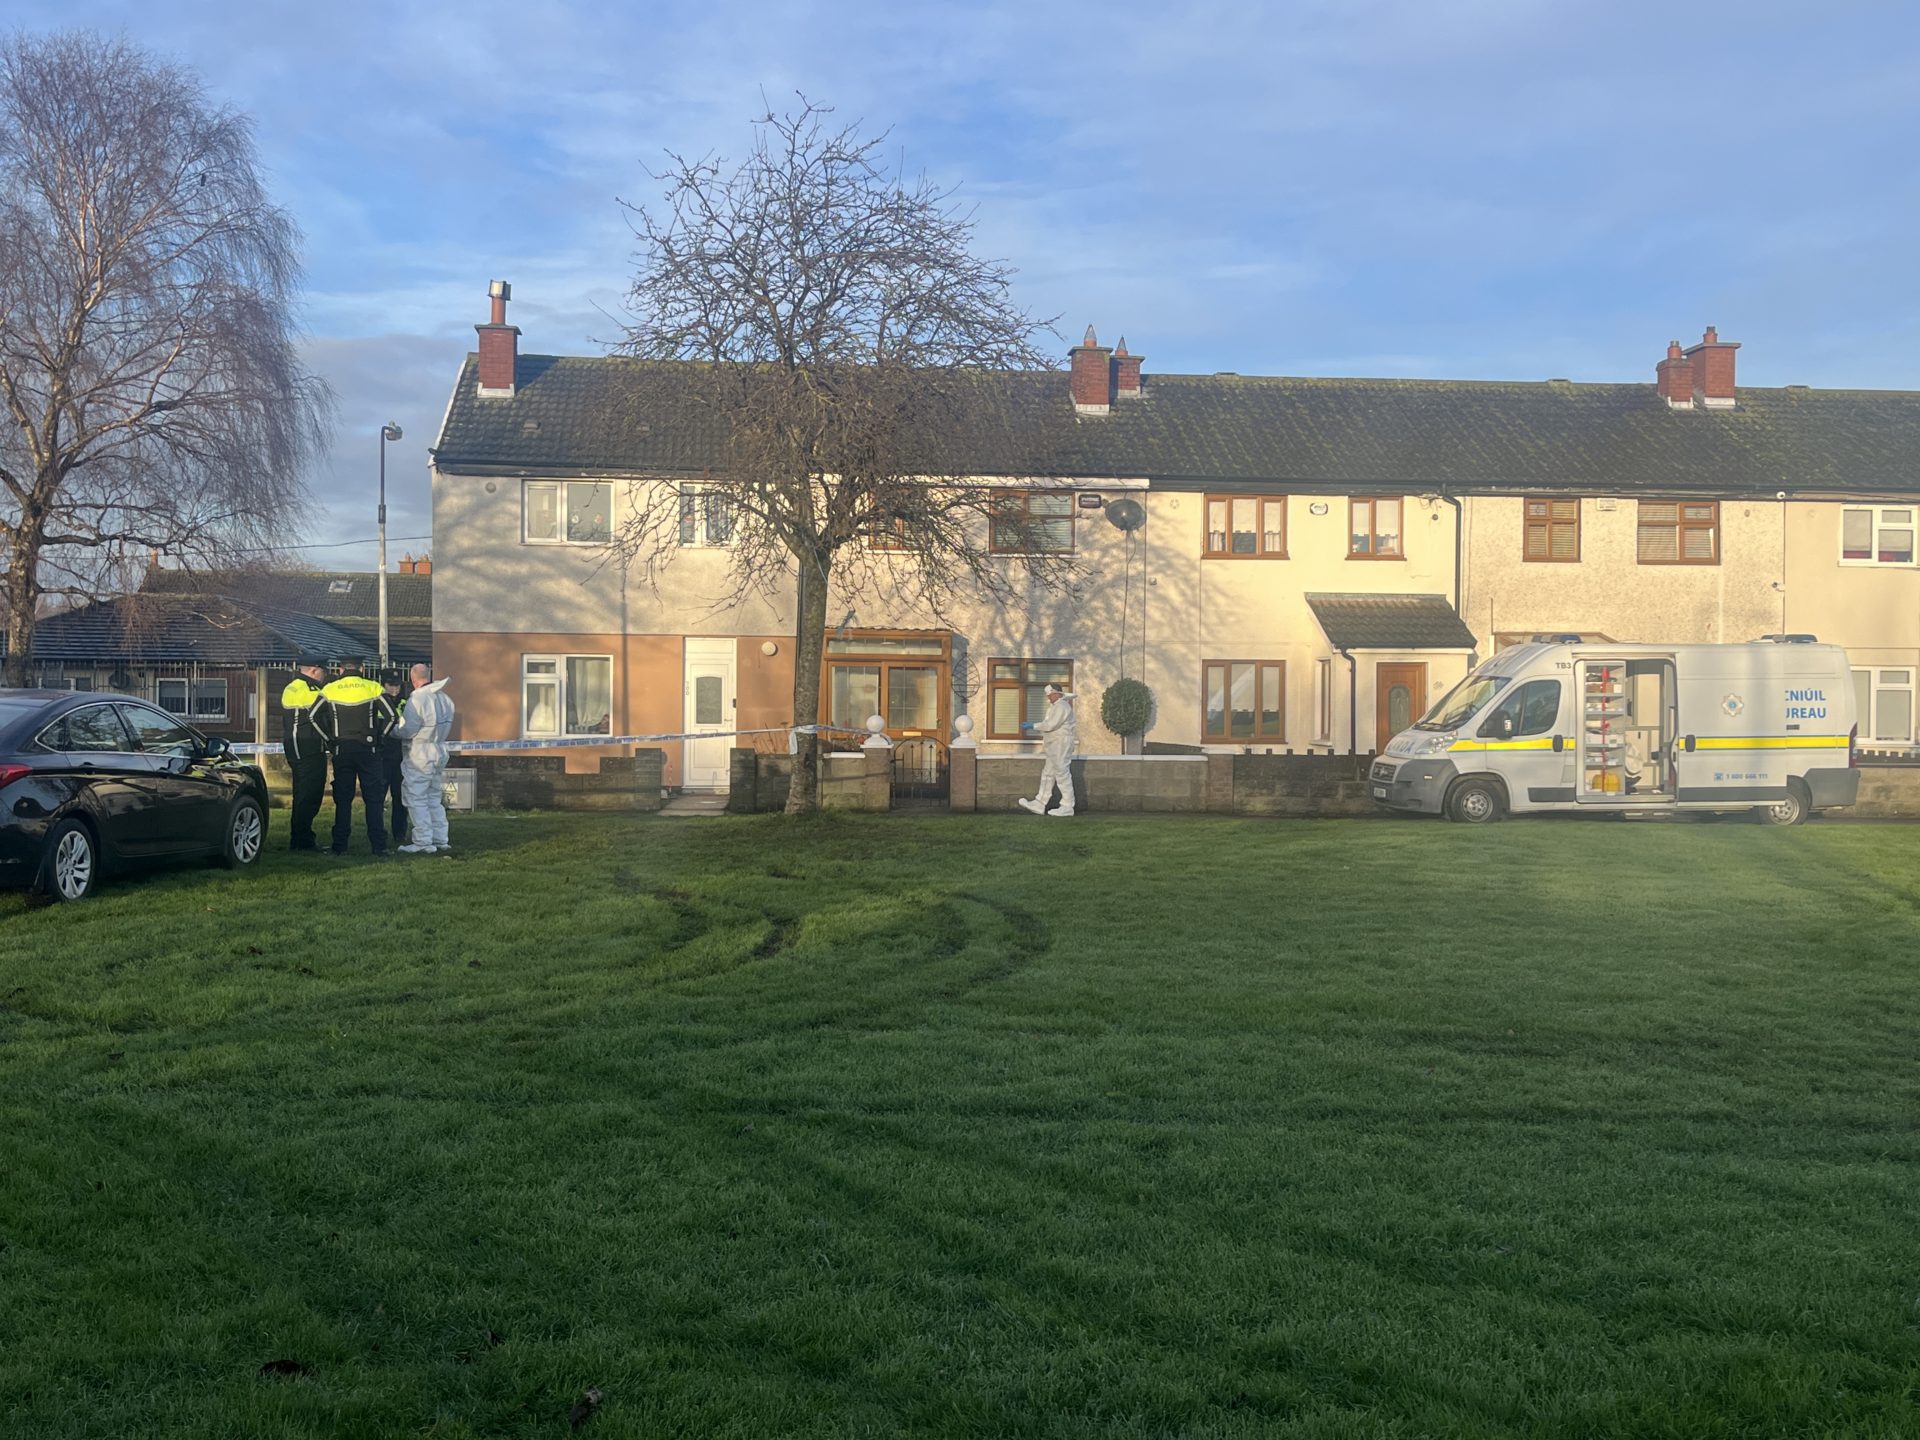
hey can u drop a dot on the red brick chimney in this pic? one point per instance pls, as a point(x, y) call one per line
point(499, 347)
point(1713, 370)
point(1092, 376)
point(406, 564)
point(423, 566)
point(1126, 373)
point(1673, 377)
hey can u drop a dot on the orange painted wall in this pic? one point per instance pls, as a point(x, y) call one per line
point(648, 686)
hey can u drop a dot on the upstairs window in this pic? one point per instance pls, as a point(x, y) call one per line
point(1876, 534)
point(1679, 532)
point(706, 515)
point(1031, 522)
point(567, 512)
point(1375, 529)
point(1552, 530)
point(1246, 527)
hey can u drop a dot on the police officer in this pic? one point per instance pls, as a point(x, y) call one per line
point(390, 752)
point(305, 749)
point(355, 716)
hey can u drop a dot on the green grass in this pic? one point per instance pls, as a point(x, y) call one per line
point(986, 1127)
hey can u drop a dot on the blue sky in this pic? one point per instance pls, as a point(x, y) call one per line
point(1499, 189)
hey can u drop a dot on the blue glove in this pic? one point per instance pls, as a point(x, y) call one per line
point(1027, 726)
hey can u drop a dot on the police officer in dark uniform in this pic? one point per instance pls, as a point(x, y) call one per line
point(305, 749)
point(393, 683)
point(354, 715)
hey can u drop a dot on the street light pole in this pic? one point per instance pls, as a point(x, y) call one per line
point(388, 431)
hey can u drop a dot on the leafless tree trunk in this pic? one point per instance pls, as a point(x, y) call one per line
point(153, 395)
point(865, 369)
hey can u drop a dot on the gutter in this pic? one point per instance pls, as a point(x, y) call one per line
point(1353, 700)
point(1459, 535)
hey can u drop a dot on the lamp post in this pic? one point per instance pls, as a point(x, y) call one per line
point(388, 431)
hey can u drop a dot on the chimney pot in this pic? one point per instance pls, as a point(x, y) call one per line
point(1091, 376)
point(499, 347)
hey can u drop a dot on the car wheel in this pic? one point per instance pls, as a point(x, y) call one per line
point(1791, 811)
point(1476, 802)
point(71, 870)
point(246, 834)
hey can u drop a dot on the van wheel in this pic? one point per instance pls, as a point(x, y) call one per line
point(71, 870)
point(1791, 811)
point(1476, 802)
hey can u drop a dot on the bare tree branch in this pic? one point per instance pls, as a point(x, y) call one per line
point(153, 393)
point(832, 319)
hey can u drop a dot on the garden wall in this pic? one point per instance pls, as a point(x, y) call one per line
point(849, 780)
point(537, 782)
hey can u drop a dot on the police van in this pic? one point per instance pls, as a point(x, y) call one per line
point(1558, 724)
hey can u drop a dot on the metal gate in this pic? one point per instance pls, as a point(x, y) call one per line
point(919, 770)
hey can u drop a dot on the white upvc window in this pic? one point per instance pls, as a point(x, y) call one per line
point(706, 515)
point(1883, 700)
point(192, 700)
point(1876, 534)
point(564, 695)
point(566, 512)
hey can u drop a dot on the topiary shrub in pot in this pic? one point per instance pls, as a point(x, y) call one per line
point(1127, 708)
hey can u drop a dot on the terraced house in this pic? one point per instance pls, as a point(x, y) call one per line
point(1305, 565)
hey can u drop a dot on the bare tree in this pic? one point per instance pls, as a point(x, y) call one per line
point(865, 370)
point(154, 398)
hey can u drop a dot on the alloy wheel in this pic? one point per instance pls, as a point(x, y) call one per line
point(73, 865)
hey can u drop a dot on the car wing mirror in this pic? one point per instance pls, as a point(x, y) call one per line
point(218, 748)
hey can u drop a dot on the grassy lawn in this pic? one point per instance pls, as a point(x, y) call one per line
point(986, 1127)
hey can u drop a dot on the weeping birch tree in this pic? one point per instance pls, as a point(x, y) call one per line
point(865, 369)
point(152, 396)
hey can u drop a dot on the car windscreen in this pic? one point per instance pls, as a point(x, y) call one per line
point(1461, 703)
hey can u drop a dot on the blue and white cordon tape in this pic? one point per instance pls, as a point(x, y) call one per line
point(574, 741)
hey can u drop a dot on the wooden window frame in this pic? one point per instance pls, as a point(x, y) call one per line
point(1260, 551)
point(1023, 684)
point(1008, 500)
point(1373, 529)
point(1545, 524)
point(1877, 522)
point(1259, 669)
point(1681, 526)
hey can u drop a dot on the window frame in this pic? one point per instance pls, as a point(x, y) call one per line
point(1022, 684)
point(1681, 526)
point(561, 507)
point(1866, 725)
point(702, 498)
point(558, 682)
point(187, 698)
point(1006, 499)
point(1876, 522)
point(1372, 502)
point(1547, 524)
point(1260, 502)
point(1259, 669)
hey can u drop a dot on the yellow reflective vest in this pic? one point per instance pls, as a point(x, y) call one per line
point(296, 732)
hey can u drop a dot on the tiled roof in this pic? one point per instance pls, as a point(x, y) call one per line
point(330, 594)
point(1390, 622)
point(190, 629)
point(617, 416)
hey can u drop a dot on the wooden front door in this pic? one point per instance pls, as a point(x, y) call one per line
point(1399, 699)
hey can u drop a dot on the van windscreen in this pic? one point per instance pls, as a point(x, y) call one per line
point(1462, 702)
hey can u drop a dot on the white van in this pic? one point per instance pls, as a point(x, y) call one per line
point(1562, 725)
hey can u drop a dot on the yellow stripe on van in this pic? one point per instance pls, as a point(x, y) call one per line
point(1544, 742)
point(1771, 742)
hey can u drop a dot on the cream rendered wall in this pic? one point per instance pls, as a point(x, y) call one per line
point(1872, 609)
point(1607, 590)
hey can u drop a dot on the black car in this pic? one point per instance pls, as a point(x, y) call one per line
point(96, 783)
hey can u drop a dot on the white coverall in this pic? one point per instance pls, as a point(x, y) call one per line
point(423, 761)
point(1056, 729)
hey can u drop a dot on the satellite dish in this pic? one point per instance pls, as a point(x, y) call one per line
point(1126, 515)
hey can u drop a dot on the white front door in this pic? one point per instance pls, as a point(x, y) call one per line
point(709, 712)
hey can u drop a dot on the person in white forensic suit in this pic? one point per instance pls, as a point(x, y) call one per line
point(423, 761)
point(1056, 730)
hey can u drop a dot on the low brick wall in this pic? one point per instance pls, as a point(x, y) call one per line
point(537, 782)
point(1302, 785)
point(758, 783)
point(1887, 792)
point(1107, 783)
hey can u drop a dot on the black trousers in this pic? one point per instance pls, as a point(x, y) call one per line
point(358, 767)
point(390, 765)
point(309, 787)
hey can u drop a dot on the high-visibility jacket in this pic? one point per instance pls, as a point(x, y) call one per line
point(297, 732)
point(353, 712)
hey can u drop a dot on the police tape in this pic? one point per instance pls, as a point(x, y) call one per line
point(463, 747)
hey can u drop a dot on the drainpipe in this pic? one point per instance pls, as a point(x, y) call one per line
point(1459, 527)
point(1353, 700)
